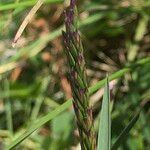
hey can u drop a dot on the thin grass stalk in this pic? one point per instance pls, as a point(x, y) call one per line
point(8, 108)
point(78, 80)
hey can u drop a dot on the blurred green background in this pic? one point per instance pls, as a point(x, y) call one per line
point(33, 75)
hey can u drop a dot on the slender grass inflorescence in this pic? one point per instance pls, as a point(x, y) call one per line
point(78, 80)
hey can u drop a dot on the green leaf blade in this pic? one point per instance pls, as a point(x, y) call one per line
point(38, 123)
point(125, 132)
point(104, 135)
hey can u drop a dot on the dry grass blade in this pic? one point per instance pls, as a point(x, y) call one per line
point(27, 19)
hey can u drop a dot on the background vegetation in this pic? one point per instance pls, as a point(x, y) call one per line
point(33, 75)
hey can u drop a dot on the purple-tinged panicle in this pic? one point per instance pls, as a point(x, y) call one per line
point(71, 9)
point(72, 3)
point(69, 20)
point(78, 80)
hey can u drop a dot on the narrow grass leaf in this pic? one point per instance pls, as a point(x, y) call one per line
point(104, 135)
point(38, 123)
point(125, 132)
point(8, 107)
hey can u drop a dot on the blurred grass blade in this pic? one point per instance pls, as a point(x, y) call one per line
point(125, 132)
point(40, 98)
point(7, 67)
point(8, 108)
point(141, 29)
point(104, 135)
point(26, 3)
point(38, 123)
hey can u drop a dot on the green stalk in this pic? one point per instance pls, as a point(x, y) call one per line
point(8, 109)
point(78, 80)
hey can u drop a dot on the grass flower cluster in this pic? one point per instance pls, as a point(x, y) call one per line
point(78, 80)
